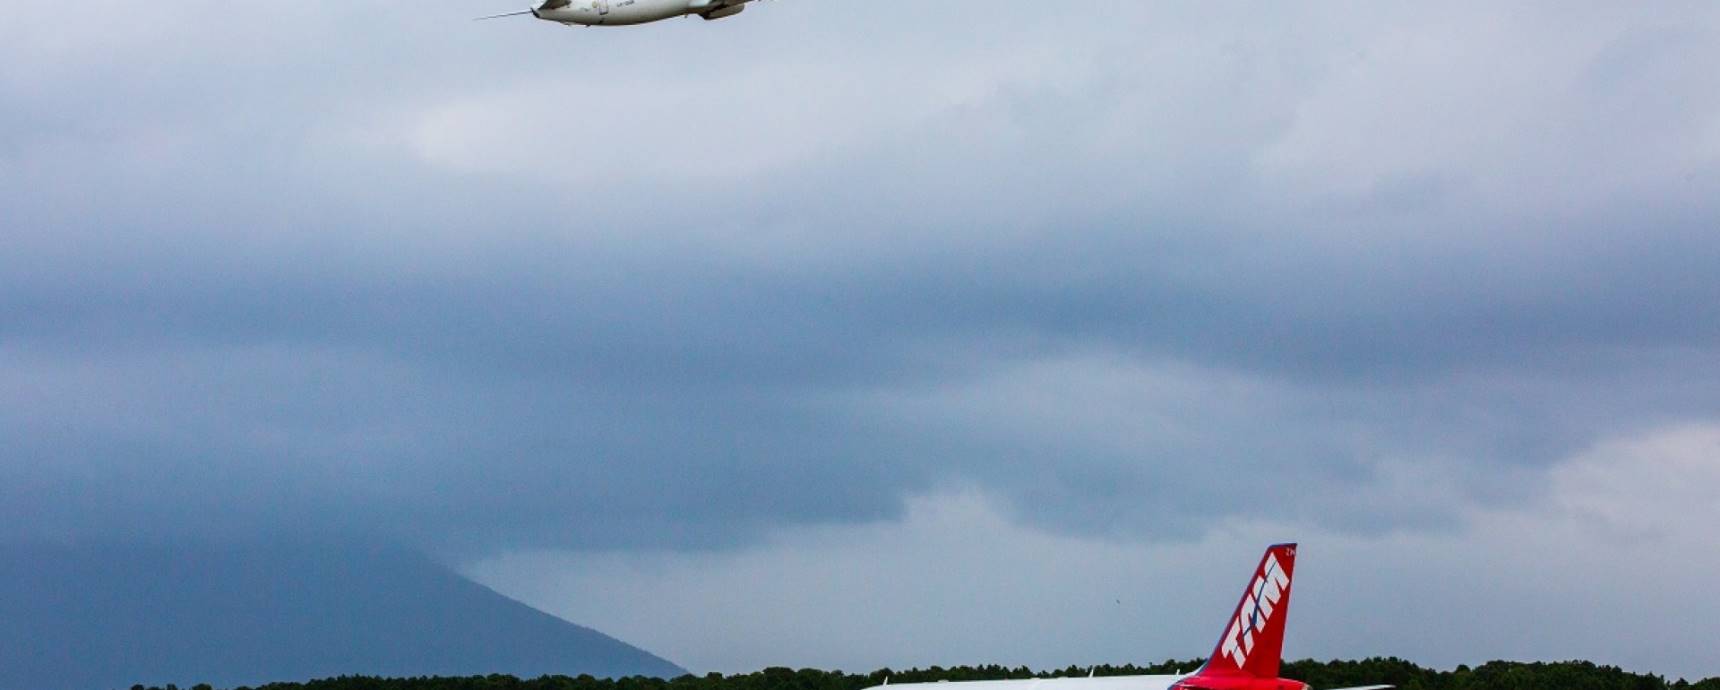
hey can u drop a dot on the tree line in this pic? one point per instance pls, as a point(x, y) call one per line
point(1495, 675)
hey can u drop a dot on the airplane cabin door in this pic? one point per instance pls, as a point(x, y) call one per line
point(602, 7)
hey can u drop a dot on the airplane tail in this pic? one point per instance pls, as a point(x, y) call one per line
point(1253, 642)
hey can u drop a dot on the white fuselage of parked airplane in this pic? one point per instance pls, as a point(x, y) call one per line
point(627, 12)
point(1101, 683)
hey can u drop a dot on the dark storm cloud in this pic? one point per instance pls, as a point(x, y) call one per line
point(375, 287)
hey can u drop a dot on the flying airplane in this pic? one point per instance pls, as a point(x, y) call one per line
point(1246, 658)
point(626, 12)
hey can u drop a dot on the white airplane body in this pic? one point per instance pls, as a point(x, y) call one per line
point(627, 12)
point(1247, 656)
point(1104, 683)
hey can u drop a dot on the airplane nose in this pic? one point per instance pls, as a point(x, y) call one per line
point(549, 6)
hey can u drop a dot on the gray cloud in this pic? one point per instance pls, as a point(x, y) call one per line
point(958, 581)
point(350, 268)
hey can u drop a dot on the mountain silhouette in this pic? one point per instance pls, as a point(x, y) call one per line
point(97, 617)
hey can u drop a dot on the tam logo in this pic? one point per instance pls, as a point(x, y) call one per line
point(1256, 611)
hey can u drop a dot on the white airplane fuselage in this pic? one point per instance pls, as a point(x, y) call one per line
point(1102, 683)
point(628, 12)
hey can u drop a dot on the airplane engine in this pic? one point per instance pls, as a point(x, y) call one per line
point(724, 11)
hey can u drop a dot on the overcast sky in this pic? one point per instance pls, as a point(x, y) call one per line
point(853, 334)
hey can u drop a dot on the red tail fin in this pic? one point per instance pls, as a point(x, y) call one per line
point(1253, 642)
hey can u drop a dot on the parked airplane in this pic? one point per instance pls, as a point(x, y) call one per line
point(1246, 658)
point(624, 12)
